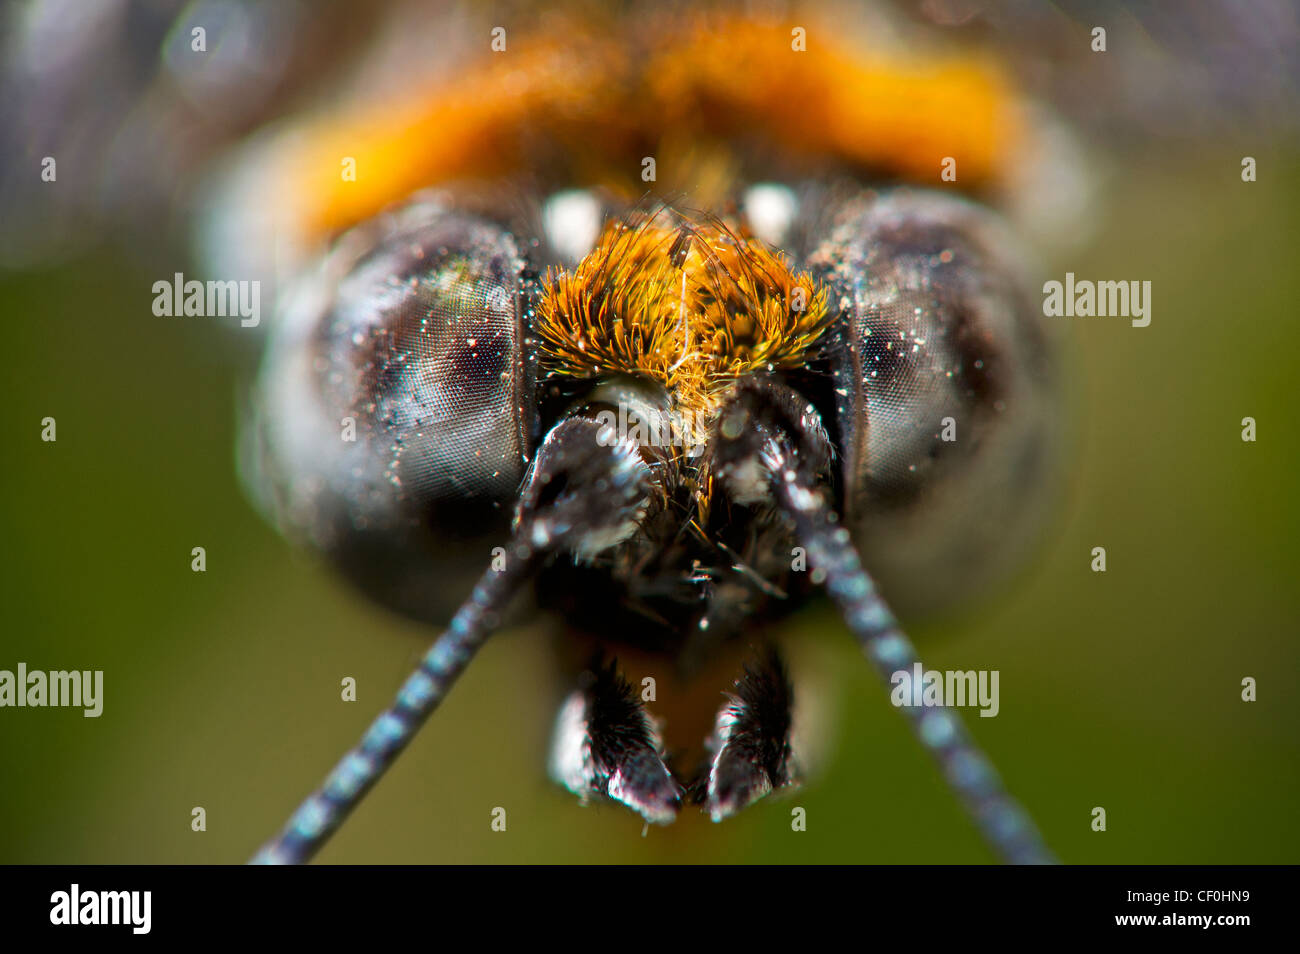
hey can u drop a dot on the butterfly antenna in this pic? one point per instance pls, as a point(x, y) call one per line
point(781, 444)
point(555, 512)
point(356, 773)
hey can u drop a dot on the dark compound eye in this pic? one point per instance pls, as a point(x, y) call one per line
point(395, 396)
point(888, 352)
point(944, 382)
point(423, 348)
point(440, 375)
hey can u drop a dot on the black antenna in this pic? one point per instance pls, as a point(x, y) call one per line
point(577, 488)
point(792, 473)
point(356, 773)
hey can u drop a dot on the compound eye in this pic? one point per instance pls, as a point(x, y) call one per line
point(943, 377)
point(915, 377)
point(424, 346)
point(393, 407)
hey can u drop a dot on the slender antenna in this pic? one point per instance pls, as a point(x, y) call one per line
point(356, 773)
point(1007, 827)
point(769, 427)
point(581, 490)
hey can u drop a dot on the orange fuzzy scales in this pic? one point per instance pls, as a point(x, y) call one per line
point(582, 105)
point(896, 112)
point(690, 305)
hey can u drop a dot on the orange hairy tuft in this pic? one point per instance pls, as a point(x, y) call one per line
point(690, 305)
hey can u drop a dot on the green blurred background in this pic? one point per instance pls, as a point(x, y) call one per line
point(1119, 690)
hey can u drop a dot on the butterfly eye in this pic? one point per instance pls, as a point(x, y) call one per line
point(393, 394)
point(428, 327)
point(943, 377)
